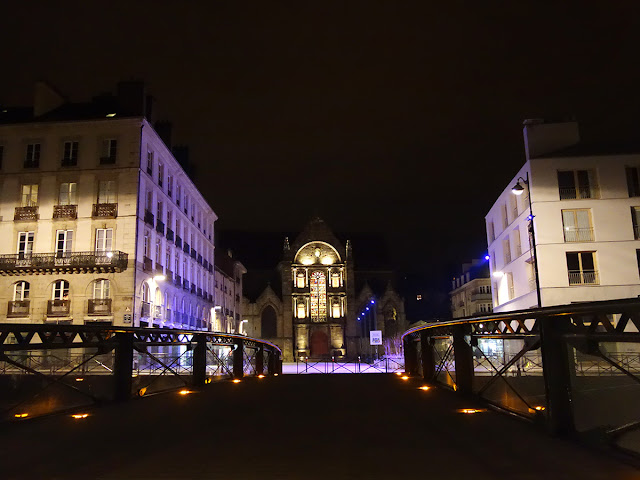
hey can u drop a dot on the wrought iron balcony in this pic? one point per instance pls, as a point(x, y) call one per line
point(147, 264)
point(146, 309)
point(169, 234)
point(65, 211)
point(199, 259)
point(160, 227)
point(18, 308)
point(185, 284)
point(159, 269)
point(76, 262)
point(149, 218)
point(199, 292)
point(169, 274)
point(193, 289)
point(580, 192)
point(177, 281)
point(186, 248)
point(26, 214)
point(99, 306)
point(58, 308)
point(584, 277)
point(194, 254)
point(178, 241)
point(105, 210)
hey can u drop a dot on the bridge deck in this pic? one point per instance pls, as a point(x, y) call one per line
point(296, 427)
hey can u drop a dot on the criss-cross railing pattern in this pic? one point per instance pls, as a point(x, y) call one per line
point(576, 367)
point(52, 368)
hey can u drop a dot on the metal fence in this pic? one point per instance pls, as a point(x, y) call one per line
point(575, 368)
point(304, 366)
point(52, 368)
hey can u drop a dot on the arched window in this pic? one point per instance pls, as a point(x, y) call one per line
point(20, 291)
point(146, 294)
point(268, 323)
point(159, 297)
point(101, 289)
point(318, 297)
point(60, 290)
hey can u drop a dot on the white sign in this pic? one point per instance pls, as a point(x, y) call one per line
point(375, 337)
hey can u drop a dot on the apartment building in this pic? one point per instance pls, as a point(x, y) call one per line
point(471, 290)
point(228, 294)
point(586, 205)
point(101, 223)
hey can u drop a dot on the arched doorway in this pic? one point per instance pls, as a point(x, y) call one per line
point(319, 344)
point(269, 323)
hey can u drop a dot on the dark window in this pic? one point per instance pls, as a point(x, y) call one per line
point(32, 157)
point(638, 260)
point(633, 182)
point(576, 184)
point(581, 268)
point(70, 154)
point(269, 323)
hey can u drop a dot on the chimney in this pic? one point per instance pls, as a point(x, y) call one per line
point(131, 98)
point(46, 99)
point(542, 137)
point(163, 129)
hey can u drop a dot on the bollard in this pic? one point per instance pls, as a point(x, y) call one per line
point(463, 354)
point(199, 370)
point(238, 358)
point(123, 366)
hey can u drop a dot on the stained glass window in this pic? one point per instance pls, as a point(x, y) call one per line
point(318, 297)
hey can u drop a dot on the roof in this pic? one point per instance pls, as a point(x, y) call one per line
point(595, 149)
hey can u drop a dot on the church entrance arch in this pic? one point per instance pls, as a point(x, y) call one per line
point(319, 344)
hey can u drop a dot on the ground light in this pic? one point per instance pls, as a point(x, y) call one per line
point(185, 392)
point(424, 388)
point(236, 380)
point(472, 410)
point(398, 373)
point(275, 374)
point(79, 416)
point(79, 379)
point(404, 377)
point(260, 376)
point(21, 415)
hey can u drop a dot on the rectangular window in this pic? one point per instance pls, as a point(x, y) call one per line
point(577, 225)
point(158, 251)
point(159, 211)
point(517, 245)
point(70, 154)
point(178, 194)
point(170, 186)
point(32, 156)
point(633, 181)
point(150, 162)
point(577, 184)
point(107, 191)
point(29, 195)
point(513, 206)
point(493, 262)
point(505, 216)
point(506, 248)
point(638, 260)
point(146, 246)
point(635, 218)
point(581, 267)
point(160, 173)
point(104, 239)
point(101, 290)
point(510, 289)
point(109, 151)
point(64, 240)
point(67, 194)
point(170, 219)
point(25, 244)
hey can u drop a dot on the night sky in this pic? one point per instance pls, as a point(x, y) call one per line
point(396, 117)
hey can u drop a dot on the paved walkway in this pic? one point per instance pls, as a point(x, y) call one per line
point(296, 427)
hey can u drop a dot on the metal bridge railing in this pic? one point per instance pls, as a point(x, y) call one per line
point(575, 368)
point(52, 368)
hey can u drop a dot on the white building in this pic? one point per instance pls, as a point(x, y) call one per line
point(586, 213)
point(471, 290)
point(101, 223)
point(228, 295)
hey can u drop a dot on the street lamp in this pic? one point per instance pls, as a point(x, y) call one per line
point(517, 189)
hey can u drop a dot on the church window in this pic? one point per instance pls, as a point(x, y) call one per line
point(318, 297)
point(335, 280)
point(301, 310)
point(300, 280)
point(335, 309)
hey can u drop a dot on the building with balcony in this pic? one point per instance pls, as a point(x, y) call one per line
point(101, 223)
point(586, 204)
point(228, 294)
point(316, 305)
point(471, 290)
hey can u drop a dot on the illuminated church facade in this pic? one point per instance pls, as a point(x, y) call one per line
point(313, 310)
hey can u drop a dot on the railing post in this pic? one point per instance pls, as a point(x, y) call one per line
point(557, 376)
point(123, 366)
point(260, 360)
point(428, 362)
point(238, 358)
point(273, 362)
point(463, 354)
point(410, 356)
point(199, 369)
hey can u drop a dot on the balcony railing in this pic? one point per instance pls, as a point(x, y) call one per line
point(186, 248)
point(199, 293)
point(105, 210)
point(76, 262)
point(149, 218)
point(185, 284)
point(169, 235)
point(584, 234)
point(480, 297)
point(177, 281)
point(147, 264)
point(583, 277)
point(194, 254)
point(99, 306)
point(65, 211)
point(18, 308)
point(160, 227)
point(199, 260)
point(589, 191)
point(178, 241)
point(158, 311)
point(159, 269)
point(193, 289)
point(58, 308)
point(26, 213)
point(169, 274)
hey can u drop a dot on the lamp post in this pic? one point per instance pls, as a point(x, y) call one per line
point(517, 190)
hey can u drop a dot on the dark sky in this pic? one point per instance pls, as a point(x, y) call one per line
point(398, 117)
